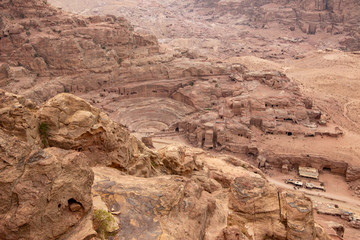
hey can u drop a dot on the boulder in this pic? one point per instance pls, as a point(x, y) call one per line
point(47, 193)
point(177, 159)
point(338, 228)
point(164, 207)
point(352, 173)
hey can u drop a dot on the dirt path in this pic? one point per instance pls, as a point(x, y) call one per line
point(329, 196)
point(346, 110)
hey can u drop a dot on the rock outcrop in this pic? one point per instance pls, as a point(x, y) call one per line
point(199, 206)
point(47, 192)
point(72, 123)
point(46, 51)
point(44, 192)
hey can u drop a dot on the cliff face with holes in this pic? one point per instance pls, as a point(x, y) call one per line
point(46, 51)
point(310, 16)
point(40, 44)
point(46, 154)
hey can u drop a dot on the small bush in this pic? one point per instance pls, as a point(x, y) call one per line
point(44, 131)
point(43, 128)
point(104, 223)
point(153, 163)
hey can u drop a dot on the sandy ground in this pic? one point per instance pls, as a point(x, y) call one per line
point(327, 76)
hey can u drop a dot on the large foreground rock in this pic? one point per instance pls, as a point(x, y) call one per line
point(200, 207)
point(74, 124)
point(44, 193)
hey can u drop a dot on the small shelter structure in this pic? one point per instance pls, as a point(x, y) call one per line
point(309, 172)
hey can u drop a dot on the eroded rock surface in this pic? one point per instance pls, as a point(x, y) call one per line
point(74, 124)
point(210, 197)
point(39, 191)
point(198, 206)
point(44, 192)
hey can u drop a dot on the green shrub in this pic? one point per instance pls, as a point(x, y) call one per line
point(44, 131)
point(104, 223)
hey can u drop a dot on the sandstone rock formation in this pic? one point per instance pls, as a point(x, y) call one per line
point(210, 197)
point(74, 124)
point(44, 192)
point(176, 192)
point(265, 28)
point(31, 47)
point(196, 206)
point(330, 16)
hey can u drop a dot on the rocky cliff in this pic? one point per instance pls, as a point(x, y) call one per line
point(46, 51)
point(45, 193)
point(40, 43)
point(217, 25)
point(46, 182)
point(332, 16)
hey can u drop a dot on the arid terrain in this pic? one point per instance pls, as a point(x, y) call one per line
point(191, 117)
